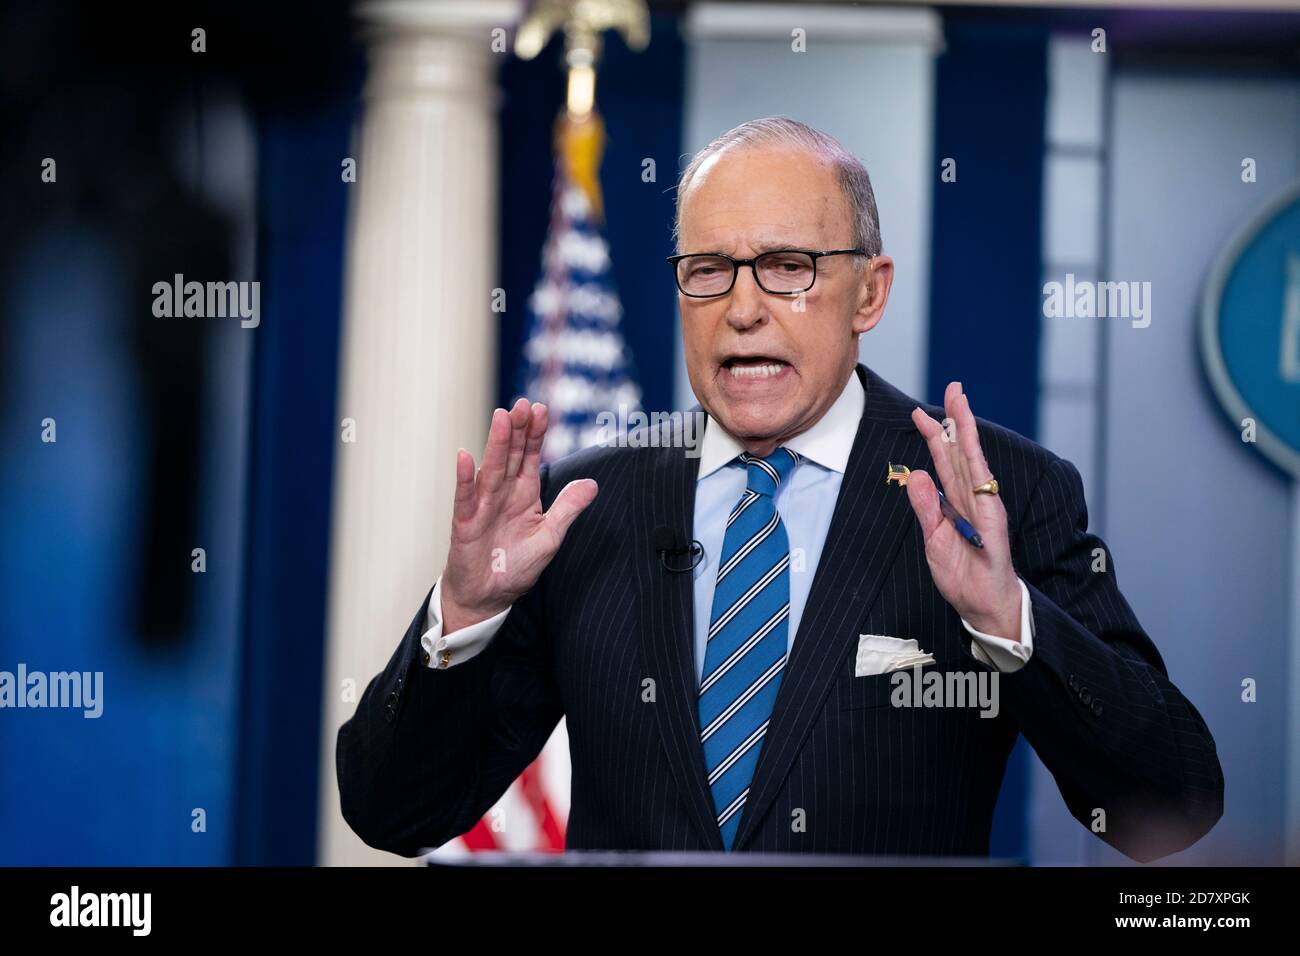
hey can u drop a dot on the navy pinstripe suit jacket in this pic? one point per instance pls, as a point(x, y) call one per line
point(841, 770)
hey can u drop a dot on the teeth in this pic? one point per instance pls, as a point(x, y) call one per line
point(757, 371)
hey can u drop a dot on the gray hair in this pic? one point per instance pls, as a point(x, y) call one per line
point(783, 131)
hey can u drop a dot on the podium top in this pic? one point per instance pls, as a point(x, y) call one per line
point(659, 858)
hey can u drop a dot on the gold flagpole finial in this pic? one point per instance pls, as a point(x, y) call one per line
point(583, 21)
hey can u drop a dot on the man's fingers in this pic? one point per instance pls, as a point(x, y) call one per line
point(568, 504)
point(968, 438)
point(952, 402)
point(520, 417)
point(531, 464)
point(493, 470)
point(986, 510)
point(924, 499)
point(941, 450)
point(466, 503)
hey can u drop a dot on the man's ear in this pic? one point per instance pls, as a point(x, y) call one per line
point(873, 293)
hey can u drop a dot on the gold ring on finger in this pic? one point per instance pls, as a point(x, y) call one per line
point(989, 487)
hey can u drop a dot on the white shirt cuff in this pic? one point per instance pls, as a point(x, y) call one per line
point(1003, 653)
point(442, 652)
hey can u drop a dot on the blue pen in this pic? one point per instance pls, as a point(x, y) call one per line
point(900, 474)
point(964, 527)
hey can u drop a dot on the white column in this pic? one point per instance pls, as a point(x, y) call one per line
point(417, 365)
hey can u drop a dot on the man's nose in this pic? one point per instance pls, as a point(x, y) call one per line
point(747, 303)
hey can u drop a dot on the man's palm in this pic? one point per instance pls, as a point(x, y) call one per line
point(501, 541)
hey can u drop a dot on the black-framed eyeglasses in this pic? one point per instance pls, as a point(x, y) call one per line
point(702, 275)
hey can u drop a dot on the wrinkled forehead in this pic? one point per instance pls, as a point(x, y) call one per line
point(745, 200)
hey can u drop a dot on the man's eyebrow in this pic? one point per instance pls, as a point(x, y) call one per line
point(762, 247)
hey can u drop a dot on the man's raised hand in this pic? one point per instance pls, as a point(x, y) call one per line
point(981, 584)
point(501, 541)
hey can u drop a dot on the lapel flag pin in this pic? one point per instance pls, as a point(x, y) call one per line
point(897, 473)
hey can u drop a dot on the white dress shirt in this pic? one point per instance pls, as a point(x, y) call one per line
point(814, 486)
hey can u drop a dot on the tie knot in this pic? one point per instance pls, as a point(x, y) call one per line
point(766, 474)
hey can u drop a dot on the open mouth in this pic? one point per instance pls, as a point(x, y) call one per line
point(750, 367)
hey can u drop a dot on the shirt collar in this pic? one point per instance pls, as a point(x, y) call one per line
point(828, 442)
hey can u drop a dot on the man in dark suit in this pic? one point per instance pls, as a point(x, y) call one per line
point(751, 695)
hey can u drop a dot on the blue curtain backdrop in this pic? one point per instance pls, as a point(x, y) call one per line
point(990, 114)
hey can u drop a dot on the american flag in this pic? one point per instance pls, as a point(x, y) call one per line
point(577, 363)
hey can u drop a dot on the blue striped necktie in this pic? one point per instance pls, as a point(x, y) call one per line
point(748, 627)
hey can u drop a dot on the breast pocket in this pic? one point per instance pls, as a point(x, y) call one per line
point(858, 693)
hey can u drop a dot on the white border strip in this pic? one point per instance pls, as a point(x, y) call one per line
point(823, 23)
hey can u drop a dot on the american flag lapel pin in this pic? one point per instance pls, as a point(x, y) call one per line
point(897, 473)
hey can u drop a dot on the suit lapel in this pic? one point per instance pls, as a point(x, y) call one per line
point(868, 526)
point(667, 644)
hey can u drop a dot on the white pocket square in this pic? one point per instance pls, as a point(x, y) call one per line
point(880, 654)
